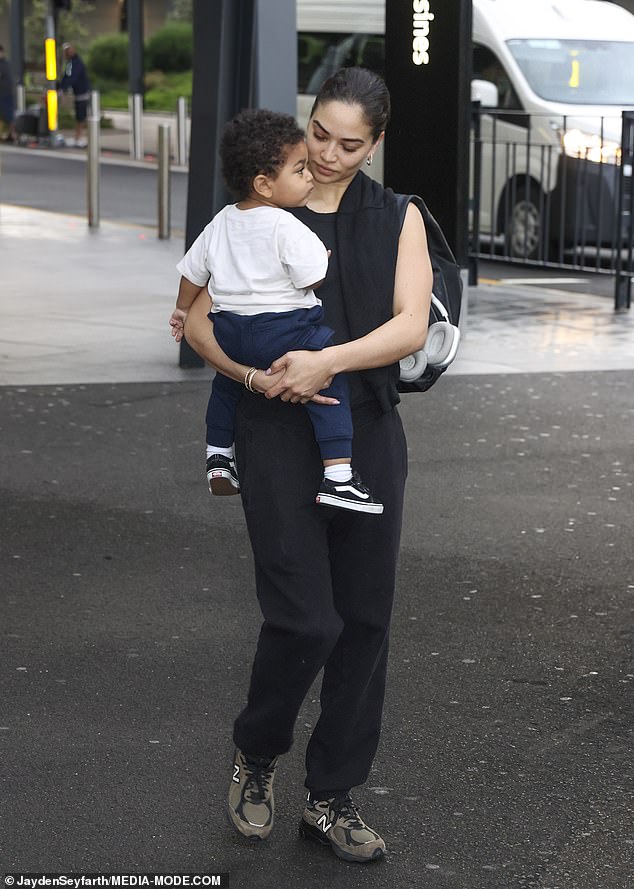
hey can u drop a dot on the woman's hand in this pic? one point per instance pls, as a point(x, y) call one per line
point(304, 375)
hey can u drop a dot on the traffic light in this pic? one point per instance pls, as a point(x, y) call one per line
point(62, 5)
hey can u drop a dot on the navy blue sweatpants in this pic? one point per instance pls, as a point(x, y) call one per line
point(258, 340)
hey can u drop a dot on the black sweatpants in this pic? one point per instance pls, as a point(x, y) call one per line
point(325, 584)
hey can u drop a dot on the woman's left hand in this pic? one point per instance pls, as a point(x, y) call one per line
point(306, 374)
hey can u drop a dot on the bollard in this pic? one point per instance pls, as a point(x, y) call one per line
point(95, 104)
point(164, 181)
point(181, 132)
point(20, 98)
point(135, 106)
point(92, 171)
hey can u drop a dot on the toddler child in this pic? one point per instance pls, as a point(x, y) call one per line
point(261, 266)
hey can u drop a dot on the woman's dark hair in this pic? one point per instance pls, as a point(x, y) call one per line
point(358, 86)
point(255, 141)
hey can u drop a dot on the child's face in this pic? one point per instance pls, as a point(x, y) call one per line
point(294, 182)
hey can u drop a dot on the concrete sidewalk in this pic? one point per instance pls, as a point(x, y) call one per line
point(116, 140)
point(82, 306)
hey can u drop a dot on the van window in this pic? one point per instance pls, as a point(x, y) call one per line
point(487, 66)
point(585, 72)
point(321, 54)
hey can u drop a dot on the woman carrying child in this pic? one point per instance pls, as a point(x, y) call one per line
point(325, 578)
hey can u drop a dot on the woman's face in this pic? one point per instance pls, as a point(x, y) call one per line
point(339, 140)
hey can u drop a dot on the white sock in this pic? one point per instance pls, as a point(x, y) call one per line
point(340, 472)
point(226, 452)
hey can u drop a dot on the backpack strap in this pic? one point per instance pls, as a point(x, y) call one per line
point(446, 291)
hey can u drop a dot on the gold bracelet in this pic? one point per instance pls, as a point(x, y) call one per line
point(248, 378)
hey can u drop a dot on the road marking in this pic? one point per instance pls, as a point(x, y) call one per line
point(541, 280)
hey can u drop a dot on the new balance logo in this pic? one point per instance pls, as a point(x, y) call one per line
point(236, 773)
point(324, 824)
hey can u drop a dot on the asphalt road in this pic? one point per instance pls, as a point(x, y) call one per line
point(129, 623)
point(49, 181)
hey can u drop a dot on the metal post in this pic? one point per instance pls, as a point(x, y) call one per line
point(135, 46)
point(476, 108)
point(20, 98)
point(16, 27)
point(164, 181)
point(51, 76)
point(135, 107)
point(92, 171)
point(95, 104)
point(624, 226)
point(181, 132)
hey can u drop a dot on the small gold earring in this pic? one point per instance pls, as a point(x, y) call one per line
point(369, 160)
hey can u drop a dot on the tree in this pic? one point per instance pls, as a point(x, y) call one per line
point(70, 29)
point(181, 11)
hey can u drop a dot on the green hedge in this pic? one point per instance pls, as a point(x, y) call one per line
point(107, 57)
point(171, 48)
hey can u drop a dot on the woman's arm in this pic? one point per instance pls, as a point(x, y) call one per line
point(199, 333)
point(404, 333)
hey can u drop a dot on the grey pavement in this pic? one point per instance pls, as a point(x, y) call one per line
point(116, 140)
point(129, 618)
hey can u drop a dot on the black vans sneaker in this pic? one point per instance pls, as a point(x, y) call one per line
point(352, 494)
point(251, 805)
point(337, 823)
point(222, 476)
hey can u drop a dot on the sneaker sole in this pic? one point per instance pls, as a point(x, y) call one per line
point(222, 485)
point(252, 838)
point(342, 503)
point(308, 832)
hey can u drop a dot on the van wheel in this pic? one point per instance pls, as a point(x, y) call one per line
point(524, 227)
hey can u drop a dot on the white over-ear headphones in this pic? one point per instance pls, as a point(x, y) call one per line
point(441, 346)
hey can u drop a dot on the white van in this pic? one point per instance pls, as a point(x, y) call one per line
point(563, 71)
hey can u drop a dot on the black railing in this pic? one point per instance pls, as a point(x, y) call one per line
point(624, 269)
point(554, 192)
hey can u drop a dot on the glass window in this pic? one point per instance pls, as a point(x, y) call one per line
point(588, 72)
point(320, 55)
point(487, 66)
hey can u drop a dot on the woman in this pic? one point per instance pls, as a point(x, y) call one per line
point(325, 580)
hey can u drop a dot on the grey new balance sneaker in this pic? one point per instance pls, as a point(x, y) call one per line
point(337, 822)
point(250, 805)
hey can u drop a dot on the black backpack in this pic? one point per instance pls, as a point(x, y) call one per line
point(418, 374)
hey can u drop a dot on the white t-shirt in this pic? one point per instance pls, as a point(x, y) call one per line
point(258, 260)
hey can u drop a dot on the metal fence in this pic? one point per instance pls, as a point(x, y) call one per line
point(555, 192)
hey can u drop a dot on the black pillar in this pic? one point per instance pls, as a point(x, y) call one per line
point(428, 72)
point(135, 47)
point(16, 26)
point(245, 55)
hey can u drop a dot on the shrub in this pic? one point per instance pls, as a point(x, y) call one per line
point(108, 57)
point(171, 48)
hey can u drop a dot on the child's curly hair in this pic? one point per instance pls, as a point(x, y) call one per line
point(255, 141)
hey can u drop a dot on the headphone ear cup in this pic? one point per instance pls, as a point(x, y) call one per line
point(413, 366)
point(441, 344)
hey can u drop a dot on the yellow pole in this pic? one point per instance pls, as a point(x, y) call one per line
point(50, 55)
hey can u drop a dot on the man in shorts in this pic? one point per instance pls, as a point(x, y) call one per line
point(76, 79)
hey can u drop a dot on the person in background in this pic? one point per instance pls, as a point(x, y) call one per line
point(76, 79)
point(7, 102)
